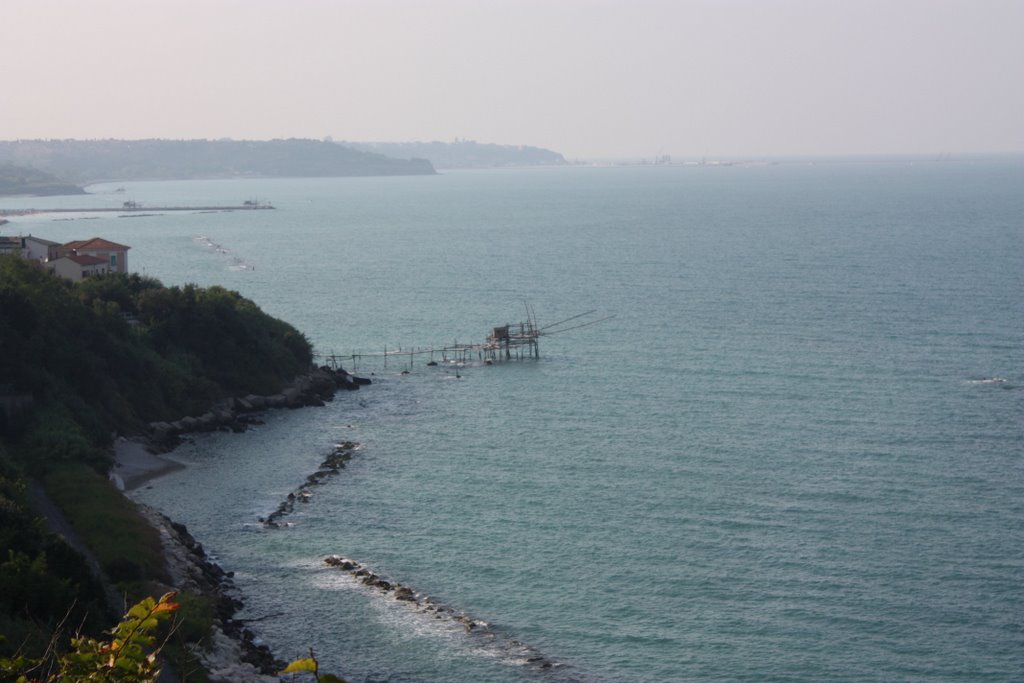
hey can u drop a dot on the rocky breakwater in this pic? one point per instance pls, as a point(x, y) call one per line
point(489, 637)
point(331, 465)
point(238, 413)
point(230, 652)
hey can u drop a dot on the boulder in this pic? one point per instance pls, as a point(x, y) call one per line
point(161, 429)
point(255, 401)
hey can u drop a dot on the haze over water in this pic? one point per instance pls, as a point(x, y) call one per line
point(589, 78)
point(796, 452)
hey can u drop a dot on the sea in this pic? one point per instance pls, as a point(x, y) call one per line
point(790, 447)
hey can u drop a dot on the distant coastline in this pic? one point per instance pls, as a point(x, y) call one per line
point(464, 154)
point(38, 167)
point(24, 181)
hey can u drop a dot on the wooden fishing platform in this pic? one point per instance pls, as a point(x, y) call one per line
point(519, 341)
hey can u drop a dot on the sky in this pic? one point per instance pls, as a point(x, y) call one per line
point(588, 78)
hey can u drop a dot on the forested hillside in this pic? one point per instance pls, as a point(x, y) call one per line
point(79, 362)
point(113, 352)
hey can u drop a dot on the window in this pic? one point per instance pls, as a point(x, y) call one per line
point(113, 260)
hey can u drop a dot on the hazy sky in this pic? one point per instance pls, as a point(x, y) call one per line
point(587, 78)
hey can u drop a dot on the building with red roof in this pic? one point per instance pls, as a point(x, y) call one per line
point(115, 255)
point(78, 266)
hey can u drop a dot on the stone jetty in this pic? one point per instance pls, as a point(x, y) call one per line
point(427, 605)
point(331, 465)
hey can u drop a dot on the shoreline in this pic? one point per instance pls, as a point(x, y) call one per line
point(233, 654)
point(134, 466)
point(139, 459)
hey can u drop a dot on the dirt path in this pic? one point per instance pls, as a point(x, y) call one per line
point(55, 521)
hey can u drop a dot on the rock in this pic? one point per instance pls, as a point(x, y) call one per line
point(161, 428)
point(341, 562)
point(224, 405)
point(255, 401)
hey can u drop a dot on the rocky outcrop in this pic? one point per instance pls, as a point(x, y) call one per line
point(238, 413)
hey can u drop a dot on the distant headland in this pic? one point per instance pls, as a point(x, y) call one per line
point(62, 167)
point(35, 167)
point(464, 153)
point(23, 180)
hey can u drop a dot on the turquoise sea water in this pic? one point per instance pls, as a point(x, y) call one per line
point(785, 458)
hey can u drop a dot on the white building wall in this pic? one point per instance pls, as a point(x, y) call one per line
point(37, 250)
point(67, 268)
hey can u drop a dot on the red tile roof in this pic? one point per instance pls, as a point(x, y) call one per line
point(96, 244)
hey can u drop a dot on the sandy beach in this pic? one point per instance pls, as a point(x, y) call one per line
point(134, 465)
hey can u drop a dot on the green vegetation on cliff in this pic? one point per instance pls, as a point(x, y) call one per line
point(113, 352)
point(79, 362)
